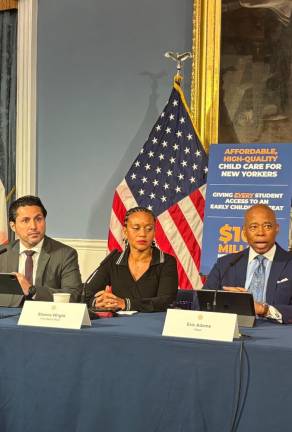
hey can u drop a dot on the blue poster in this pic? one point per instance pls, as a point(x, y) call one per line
point(239, 176)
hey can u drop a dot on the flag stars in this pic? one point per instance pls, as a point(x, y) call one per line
point(158, 170)
point(189, 137)
point(151, 154)
point(195, 167)
point(164, 144)
point(171, 117)
point(133, 176)
point(175, 146)
point(144, 179)
point(182, 120)
point(187, 150)
point(172, 160)
point(141, 192)
point(179, 134)
point(147, 167)
point(180, 176)
point(192, 180)
point(198, 153)
point(178, 189)
point(168, 130)
point(169, 173)
point(163, 198)
point(155, 140)
point(166, 186)
point(158, 128)
point(162, 114)
point(142, 151)
point(161, 156)
point(137, 164)
point(152, 195)
point(155, 182)
point(175, 103)
point(150, 207)
point(184, 163)
point(206, 169)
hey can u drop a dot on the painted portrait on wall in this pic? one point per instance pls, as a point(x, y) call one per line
point(255, 95)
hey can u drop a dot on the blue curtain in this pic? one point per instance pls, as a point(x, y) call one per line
point(8, 58)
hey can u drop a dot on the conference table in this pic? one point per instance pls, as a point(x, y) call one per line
point(122, 375)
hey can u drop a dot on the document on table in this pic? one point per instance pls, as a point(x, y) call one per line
point(126, 313)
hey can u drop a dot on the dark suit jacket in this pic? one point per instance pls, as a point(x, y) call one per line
point(230, 270)
point(57, 271)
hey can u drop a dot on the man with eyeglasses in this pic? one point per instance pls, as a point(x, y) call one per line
point(264, 268)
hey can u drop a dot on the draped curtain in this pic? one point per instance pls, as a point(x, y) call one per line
point(8, 56)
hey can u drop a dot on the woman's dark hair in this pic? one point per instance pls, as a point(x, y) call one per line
point(136, 210)
point(27, 200)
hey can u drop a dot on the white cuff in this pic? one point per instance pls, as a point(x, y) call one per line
point(274, 314)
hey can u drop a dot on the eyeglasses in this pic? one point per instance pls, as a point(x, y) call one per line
point(265, 226)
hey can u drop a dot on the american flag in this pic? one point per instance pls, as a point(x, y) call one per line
point(168, 177)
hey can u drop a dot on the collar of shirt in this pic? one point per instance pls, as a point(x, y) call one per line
point(269, 255)
point(37, 248)
point(157, 257)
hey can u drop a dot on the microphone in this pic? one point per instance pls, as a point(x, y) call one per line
point(3, 250)
point(231, 264)
point(91, 276)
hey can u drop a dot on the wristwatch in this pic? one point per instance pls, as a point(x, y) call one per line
point(266, 309)
point(31, 291)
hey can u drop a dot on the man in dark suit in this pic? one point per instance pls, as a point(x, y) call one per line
point(265, 269)
point(42, 265)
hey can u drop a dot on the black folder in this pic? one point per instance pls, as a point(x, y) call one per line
point(238, 303)
point(9, 284)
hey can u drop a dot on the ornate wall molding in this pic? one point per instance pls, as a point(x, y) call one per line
point(90, 253)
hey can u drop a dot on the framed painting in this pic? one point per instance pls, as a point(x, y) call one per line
point(241, 73)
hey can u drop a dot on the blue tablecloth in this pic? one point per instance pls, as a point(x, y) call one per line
point(122, 375)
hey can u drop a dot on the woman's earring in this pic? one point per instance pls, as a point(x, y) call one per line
point(126, 242)
point(153, 244)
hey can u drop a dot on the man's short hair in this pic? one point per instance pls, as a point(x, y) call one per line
point(27, 200)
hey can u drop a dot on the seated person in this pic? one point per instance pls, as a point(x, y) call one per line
point(264, 269)
point(142, 277)
point(42, 265)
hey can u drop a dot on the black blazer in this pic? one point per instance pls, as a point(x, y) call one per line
point(153, 291)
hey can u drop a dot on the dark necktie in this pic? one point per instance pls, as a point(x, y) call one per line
point(257, 283)
point(29, 265)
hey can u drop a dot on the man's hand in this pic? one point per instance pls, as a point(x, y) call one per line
point(24, 283)
point(261, 309)
point(235, 289)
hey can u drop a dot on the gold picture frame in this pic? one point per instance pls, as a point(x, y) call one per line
point(206, 68)
point(249, 83)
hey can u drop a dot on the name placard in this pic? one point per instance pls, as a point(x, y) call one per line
point(201, 325)
point(57, 315)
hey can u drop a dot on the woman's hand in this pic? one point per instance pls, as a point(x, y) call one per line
point(105, 299)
